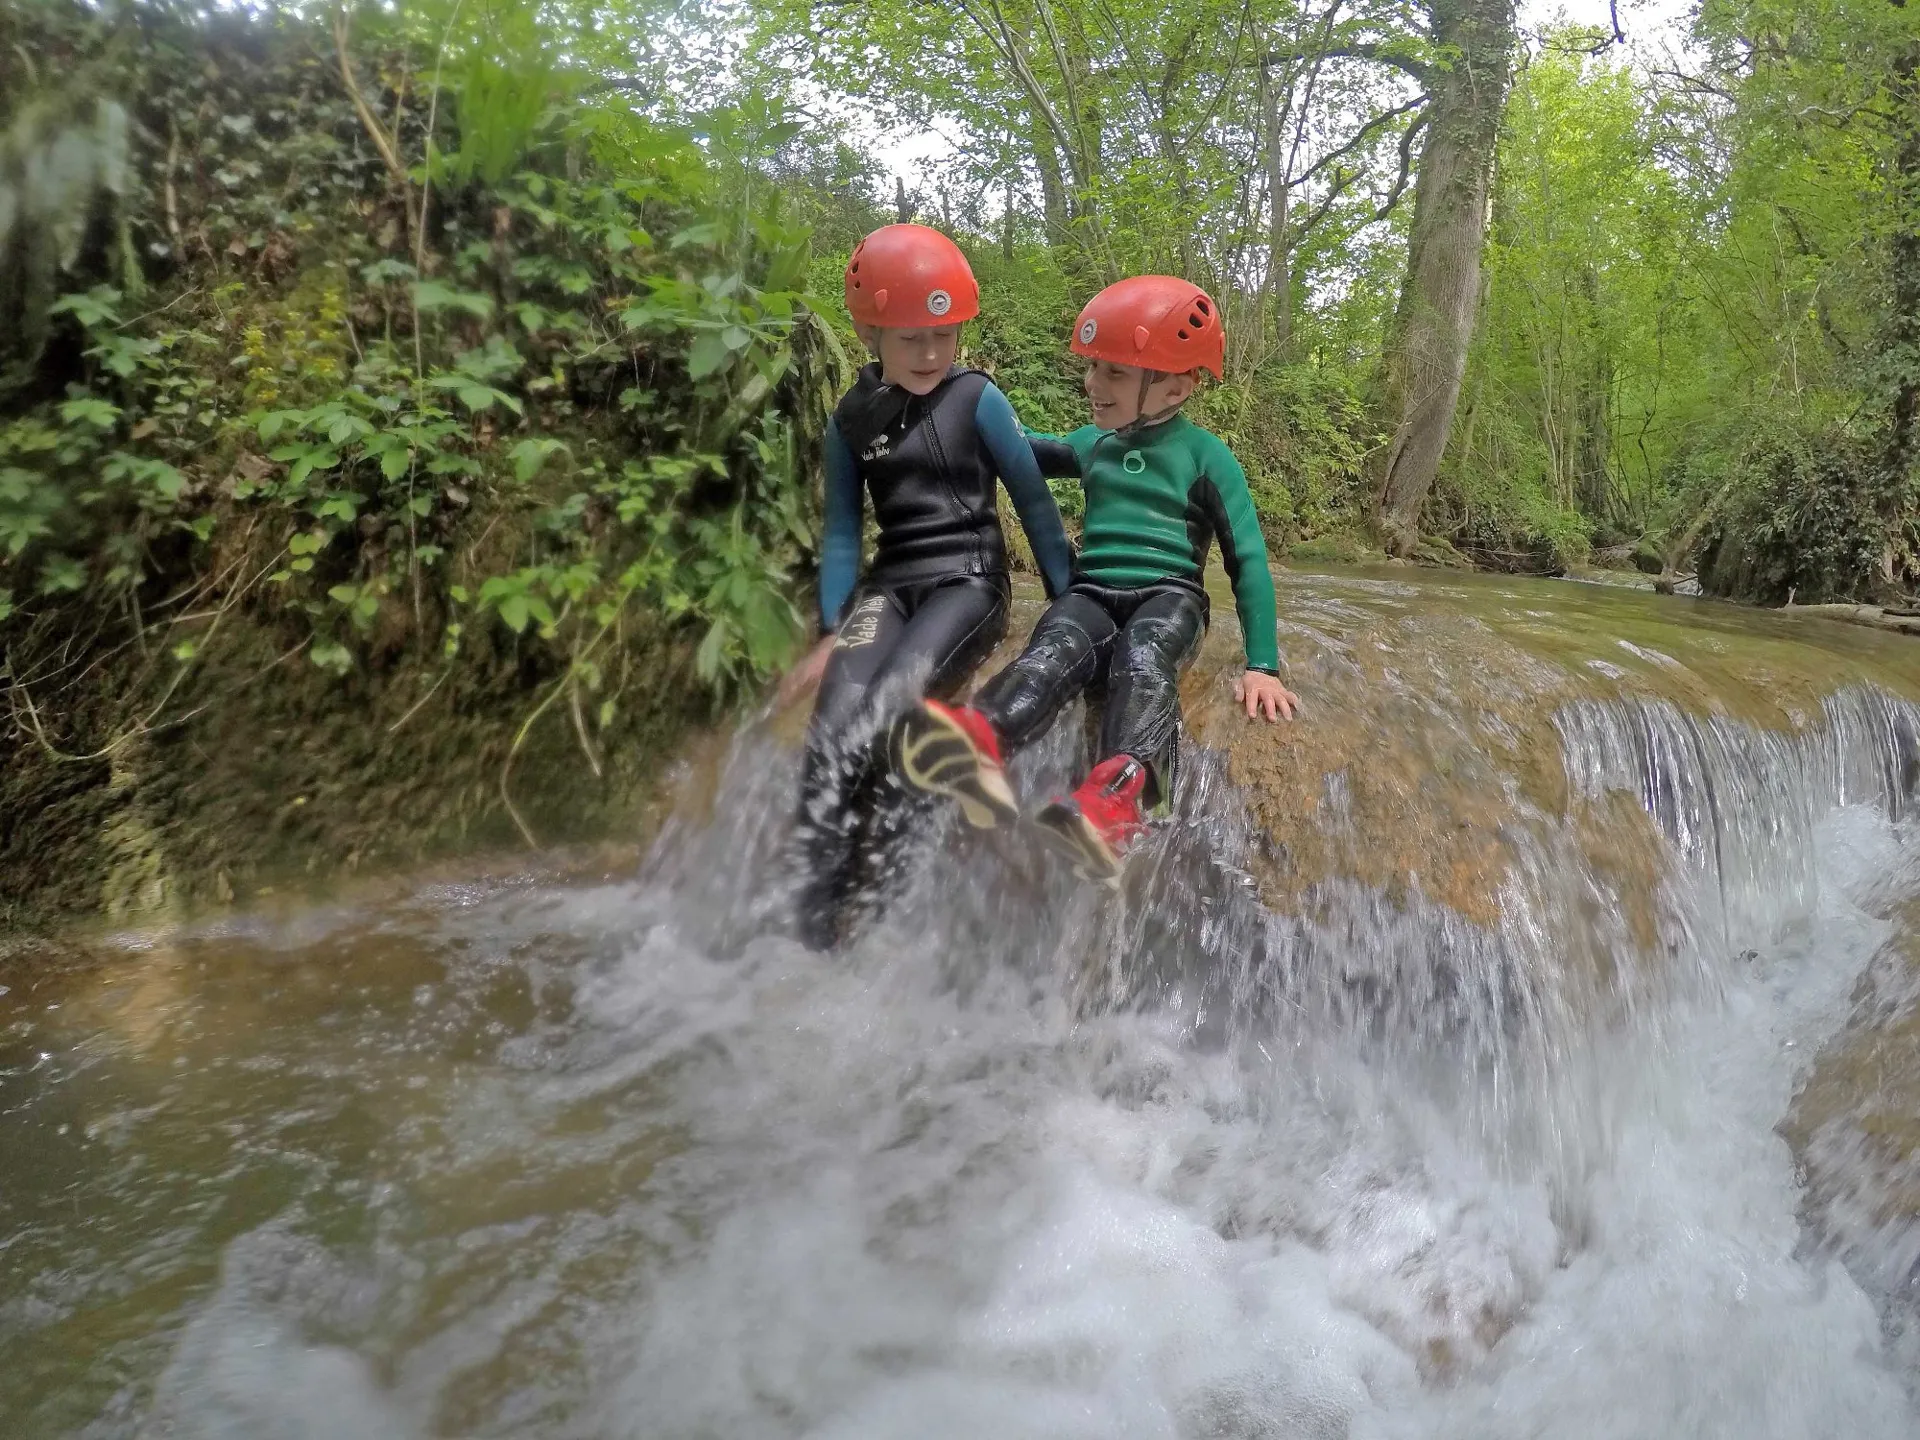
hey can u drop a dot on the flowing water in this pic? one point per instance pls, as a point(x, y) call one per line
point(1425, 1078)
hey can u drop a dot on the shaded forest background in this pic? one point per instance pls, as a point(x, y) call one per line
point(1490, 292)
point(446, 379)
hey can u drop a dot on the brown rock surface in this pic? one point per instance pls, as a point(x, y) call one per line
point(1855, 1123)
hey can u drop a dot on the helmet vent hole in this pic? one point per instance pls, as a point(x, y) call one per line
point(1183, 334)
point(1198, 322)
point(1200, 304)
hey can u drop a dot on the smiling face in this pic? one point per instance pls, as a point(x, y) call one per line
point(915, 360)
point(1114, 392)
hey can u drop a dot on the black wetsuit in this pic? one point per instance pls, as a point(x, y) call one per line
point(930, 607)
point(1128, 645)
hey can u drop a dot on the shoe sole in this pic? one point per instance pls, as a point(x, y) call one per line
point(935, 756)
point(1067, 830)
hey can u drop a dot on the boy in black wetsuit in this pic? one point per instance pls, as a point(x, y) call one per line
point(1160, 490)
point(924, 439)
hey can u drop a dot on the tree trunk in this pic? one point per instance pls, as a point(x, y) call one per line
point(1072, 228)
point(1896, 497)
point(1678, 552)
point(1053, 187)
point(1593, 481)
point(1903, 323)
point(1441, 292)
point(1279, 285)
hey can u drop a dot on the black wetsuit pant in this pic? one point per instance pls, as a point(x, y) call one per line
point(1131, 643)
point(896, 645)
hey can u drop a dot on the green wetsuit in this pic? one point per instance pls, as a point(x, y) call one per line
point(1156, 499)
point(1136, 612)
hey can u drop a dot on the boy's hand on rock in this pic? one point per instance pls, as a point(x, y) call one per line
point(1263, 695)
point(806, 675)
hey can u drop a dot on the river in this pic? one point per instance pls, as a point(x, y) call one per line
point(1427, 1077)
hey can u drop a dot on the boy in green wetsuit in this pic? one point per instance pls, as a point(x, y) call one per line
point(1160, 491)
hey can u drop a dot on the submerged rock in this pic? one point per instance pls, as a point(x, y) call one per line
point(1855, 1123)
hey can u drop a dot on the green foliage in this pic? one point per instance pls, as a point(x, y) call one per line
point(1302, 433)
point(1132, 136)
point(1798, 525)
point(506, 79)
point(1027, 307)
point(1585, 340)
point(1691, 319)
point(88, 481)
point(573, 402)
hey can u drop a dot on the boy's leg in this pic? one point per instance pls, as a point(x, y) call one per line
point(1139, 730)
point(1062, 657)
point(957, 751)
point(952, 629)
point(1141, 717)
point(838, 754)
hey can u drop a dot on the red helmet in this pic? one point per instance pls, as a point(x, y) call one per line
point(1155, 322)
point(902, 276)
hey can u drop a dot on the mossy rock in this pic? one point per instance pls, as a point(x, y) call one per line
point(1438, 551)
point(1328, 550)
point(262, 769)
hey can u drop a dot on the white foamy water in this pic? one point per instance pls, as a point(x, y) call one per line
point(975, 1219)
point(887, 1211)
point(1024, 1161)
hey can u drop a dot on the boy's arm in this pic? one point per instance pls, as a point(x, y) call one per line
point(1056, 458)
point(1223, 494)
point(840, 533)
point(1013, 455)
point(1064, 457)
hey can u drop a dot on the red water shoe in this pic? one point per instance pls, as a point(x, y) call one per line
point(1095, 825)
point(952, 750)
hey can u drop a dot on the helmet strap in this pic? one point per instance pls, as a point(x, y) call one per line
point(1142, 420)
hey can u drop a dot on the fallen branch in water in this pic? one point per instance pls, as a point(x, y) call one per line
point(1510, 562)
point(1875, 616)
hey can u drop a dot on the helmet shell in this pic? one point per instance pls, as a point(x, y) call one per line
point(1157, 322)
point(904, 277)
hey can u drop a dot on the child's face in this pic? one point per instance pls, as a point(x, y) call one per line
point(915, 360)
point(1114, 391)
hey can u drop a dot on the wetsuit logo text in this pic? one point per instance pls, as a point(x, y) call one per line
point(862, 627)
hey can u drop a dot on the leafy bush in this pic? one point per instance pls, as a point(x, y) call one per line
point(1495, 497)
point(1302, 434)
point(1803, 520)
point(1026, 318)
point(567, 324)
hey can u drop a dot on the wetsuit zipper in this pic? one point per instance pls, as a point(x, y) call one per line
point(960, 507)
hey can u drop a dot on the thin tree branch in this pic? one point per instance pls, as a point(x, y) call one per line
point(1406, 167)
point(369, 121)
point(1360, 137)
point(1378, 54)
point(1696, 83)
point(1000, 35)
point(1342, 182)
point(1058, 46)
point(168, 193)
